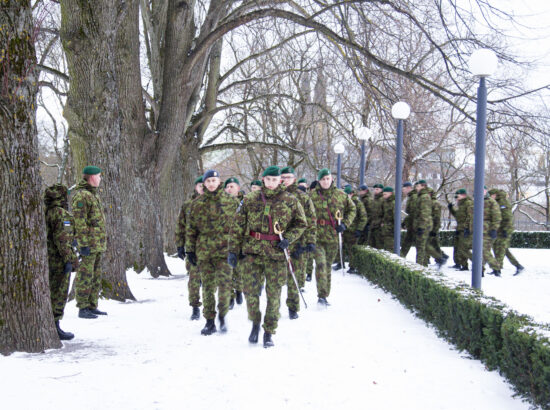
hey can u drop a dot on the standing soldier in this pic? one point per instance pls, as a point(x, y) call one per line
point(354, 232)
point(194, 281)
point(232, 187)
point(330, 203)
point(375, 218)
point(491, 223)
point(388, 218)
point(501, 246)
point(258, 217)
point(208, 224)
point(311, 255)
point(303, 246)
point(90, 236)
point(255, 185)
point(62, 259)
point(364, 195)
point(410, 192)
point(464, 224)
point(433, 240)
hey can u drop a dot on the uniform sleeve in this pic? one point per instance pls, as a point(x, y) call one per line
point(424, 211)
point(63, 235)
point(80, 209)
point(469, 215)
point(298, 225)
point(180, 228)
point(436, 215)
point(496, 217)
point(191, 231)
point(361, 215)
point(310, 235)
point(349, 212)
point(507, 218)
point(238, 227)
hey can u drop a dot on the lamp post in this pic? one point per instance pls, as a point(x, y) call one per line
point(400, 111)
point(483, 63)
point(363, 134)
point(339, 149)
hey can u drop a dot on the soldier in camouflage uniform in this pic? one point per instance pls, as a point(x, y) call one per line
point(302, 184)
point(501, 246)
point(62, 259)
point(328, 200)
point(491, 223)
point(388, 218)
point(375, 218)
point(433, 240)
point(232, 187)
point(464, 225)
point(194, 281)
point(253, 234)
point(410, 192)
point(310, 257)
point(364, 195)
point(303, 247)
point(353, 233)
point(90, 236)
point(209, 221)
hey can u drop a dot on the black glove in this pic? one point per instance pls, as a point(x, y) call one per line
point(67, 268)
point(310, 247)
point(232, 260)
point(450, 206)
point(504, 234)
point(341, 227)
point(296, 254)
point(420, 232)
point(283, 244)
point(466, 233)
point(357, 233)
point(192, 258)
point(85, 251)
point(181, 252)
point(241, 255)
point(493, 233)
point(433, 234)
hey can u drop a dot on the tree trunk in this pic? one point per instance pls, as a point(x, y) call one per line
point(26, 319)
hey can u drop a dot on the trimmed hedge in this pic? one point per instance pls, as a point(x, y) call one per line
point(520, 239)
point(502, 338)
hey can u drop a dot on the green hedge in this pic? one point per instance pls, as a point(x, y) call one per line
point(520, 239)
point(503, 339)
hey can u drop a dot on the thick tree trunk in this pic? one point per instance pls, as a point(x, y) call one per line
point(26, 319)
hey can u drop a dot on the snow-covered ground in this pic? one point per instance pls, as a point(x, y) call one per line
point(364, 352)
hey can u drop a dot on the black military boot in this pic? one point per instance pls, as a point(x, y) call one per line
point(464, 268)
point(308, 277)
point(209, 328)
point(196, 313)
point(63, 335)
point(457, 266)
point(519, 268)
point(223, 327)
point(268, 342)
point(292, 314)
point(323, 301)
point(352, 270)
point(231, 303)
point(338, 266)
point(86, 313)
point(440, 262)
point(239, 297)
point(495, 272)
point(96, 311)
point(253, 338)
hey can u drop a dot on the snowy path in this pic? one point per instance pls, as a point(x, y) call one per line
point(364, 352)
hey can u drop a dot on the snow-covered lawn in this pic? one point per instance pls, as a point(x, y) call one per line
point(364, 352)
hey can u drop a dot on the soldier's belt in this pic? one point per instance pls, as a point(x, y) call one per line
point(263, 236)
point(323, 222)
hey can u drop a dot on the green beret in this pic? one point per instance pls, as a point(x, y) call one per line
point(91, 170)
point(323, 173)
point(378, 186)
point(256, 182)
point(493, 191)
point(302, 180)
point(484, 186)
point(421, 182)
point(348, 189)
point(272, 171)
point(198, 180)
point(230, 180)
point(461, 191)
point(387, 189)
point(287, 170)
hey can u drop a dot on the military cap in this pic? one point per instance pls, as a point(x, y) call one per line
point(287, 170)
point(416, 183)
point(421, 182)
point(363, 187)
point(302, 180)
point(272, 171)
point(91, 170)
point(230, 180)
point(210, 174)
point(461, 191)
point(256, 182)
point(348, 189)
point(493, 191)
point(484, 186)
point(378, 186)
point(387, 189)
point(198, 180)
point(322, 173)
point(406, 184)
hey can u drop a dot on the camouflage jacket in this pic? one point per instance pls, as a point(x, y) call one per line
point(464, 214)
point(491, 214)
point(367, 201)
point(436, 212)
point(388, 215)
point(376, 214)
point(409, 209)
point(180, 224)
point(507, 217)
point(360, 215)
point(423, 211)
point(253, 218)
point(332, 199)
point(89, 218)
point(59, 225)
point(209, 220)
point(310, 234)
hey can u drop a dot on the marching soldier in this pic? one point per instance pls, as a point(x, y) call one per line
point(354, 232)
point(311, 256)
point(464, 224)
point(90, 236)
point(62, 259)
point(375, 218)
point(388, 218)
point(410, 192)
point(423, 225)
point(208, 225)
point(260, 215)
point(491, 223)
point(233, 188)
point(330, 203)
point(194, 281)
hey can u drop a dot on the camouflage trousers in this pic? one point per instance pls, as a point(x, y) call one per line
point(309, 264)
point(349, 240)
point(88, 281)
point(501, 248)
point(408, 241)
point(387, 239)
point(193, 284)
point(292, 294)
point(325, 253)
point(376, 240)
point(487, 252)
point(216, 275)
point(434, 242)
point(237, 278)
point(424, 250)
point(463, 249)
point(59, 287)
point(257, 270)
